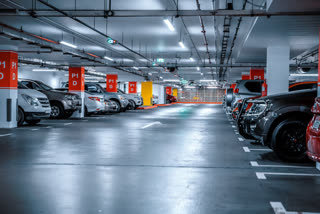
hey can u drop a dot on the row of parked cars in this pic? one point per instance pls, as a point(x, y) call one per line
point(278, 121)
point(37, 101)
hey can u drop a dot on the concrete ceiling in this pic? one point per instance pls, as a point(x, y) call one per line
point(150, 37)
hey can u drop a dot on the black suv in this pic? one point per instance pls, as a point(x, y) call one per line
point(63, 104)
point(279, 121)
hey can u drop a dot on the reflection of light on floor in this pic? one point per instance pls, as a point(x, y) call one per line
point(166, 112)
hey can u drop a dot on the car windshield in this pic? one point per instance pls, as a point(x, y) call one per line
point(44, 86)
point(21, 86)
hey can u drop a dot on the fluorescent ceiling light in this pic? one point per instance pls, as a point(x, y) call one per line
point(108, 58)
point(68, 44)
point(304, 75)
point(169, 80)
point(135, 68)
point(201, 74)
point(212, 87)
point(191, 59)
point(189, 87)
point(198, 68)
point(181, 44)
point(44, 69)
point(168, 23)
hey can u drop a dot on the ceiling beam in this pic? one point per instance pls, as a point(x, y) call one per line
point(150, 13)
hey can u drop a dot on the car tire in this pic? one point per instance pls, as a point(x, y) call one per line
point(289, 140)
point(33, 122)
point(132, 105)
point(20, 119)
point(67, 115)
point(57, 111)
point(118, 107)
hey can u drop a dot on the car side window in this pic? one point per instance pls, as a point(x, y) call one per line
point(36, 86)
point(93, 89)
point(27, 84)
point(253, 86)
point(303, 86)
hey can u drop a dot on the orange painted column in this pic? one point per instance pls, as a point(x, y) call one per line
point(76, 86)
point(8, 88)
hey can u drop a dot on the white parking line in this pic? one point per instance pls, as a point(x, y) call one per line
point(4, 135)
point(34, 129)
point(256, 164)
point(67, 124)
point(278, 208)
point(247, 149)
point(151, 124)
point(240, 139)
point(233, 126)
point(262, 175)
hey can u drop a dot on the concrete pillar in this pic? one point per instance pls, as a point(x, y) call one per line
point(76, 86)
point(8, 87)
point(278, 69)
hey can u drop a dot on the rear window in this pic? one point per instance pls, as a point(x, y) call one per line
point(253, 86)
point(303, 86)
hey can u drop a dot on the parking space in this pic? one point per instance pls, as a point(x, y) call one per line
point(143, 162)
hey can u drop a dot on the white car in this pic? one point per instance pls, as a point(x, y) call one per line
point(32, 105)
point(94, 103)
point(134, 99)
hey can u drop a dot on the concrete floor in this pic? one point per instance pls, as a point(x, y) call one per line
point(174, 159)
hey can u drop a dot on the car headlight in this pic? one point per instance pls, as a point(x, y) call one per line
point(258, 108)
point(31, 100)
point(68, 96)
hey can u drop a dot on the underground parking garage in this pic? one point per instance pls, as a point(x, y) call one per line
point(159, 106)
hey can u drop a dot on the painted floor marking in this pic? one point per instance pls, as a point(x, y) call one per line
point(4, 135)
point(34, 129)
point(233, 126)
point(278, 208)
point(256, 164)
point(67, 124)
point(262, 175)
point(151, 124)
point(240, 139)
point(247, 149)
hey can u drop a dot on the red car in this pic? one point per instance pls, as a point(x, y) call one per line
point(171, 99)
point(313, 133)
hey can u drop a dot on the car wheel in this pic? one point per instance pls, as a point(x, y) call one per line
point(132, 105)
point(33, 122)
point(67, 115)
point(20, 117)
point(118, 107)
point(57, 111)
point(289, 140)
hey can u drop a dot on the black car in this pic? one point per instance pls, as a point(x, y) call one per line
point(279, 121)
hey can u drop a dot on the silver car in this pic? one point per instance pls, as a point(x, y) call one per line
point(134, 100)
point(32, 106)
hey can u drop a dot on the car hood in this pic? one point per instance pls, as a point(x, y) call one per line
point(31, 93)
point(293, 95)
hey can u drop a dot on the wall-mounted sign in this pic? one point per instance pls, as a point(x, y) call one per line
point(169, 90)
point(132, 87)
point(257, 74)
point(8, 70)
point(112, 85)
point(76, 79)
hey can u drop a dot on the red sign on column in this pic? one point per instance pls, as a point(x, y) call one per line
point(132, 87)
point(112, 83)
point(8, 70)
point(76, 79)
point(257, 74)
point(245, 77)
point(169, 90)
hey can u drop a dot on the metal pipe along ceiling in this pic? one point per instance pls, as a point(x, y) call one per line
point(93, 29)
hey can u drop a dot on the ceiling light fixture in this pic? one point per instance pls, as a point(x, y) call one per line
point(206, 80)
point(171, 80)
point(168, 23)
point(108, 58)
point(304, 75)
point(135, 68)
point(68, 44)
point(182, 45)
point(44, 70)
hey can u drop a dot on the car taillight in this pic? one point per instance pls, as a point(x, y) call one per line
point(95, 98)
point(236, 90)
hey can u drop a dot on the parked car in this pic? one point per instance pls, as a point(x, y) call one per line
point(134, 100)
point(63, 104)
point(313, 133)
point(293, 87)
point(280, 122)
point(92, 87)
point(170, 99)
point(93, 103)
point(155, 99)
point(246, 89)
point(32, 106)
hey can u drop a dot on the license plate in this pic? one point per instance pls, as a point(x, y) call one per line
point(316, 124)
point(47, 111)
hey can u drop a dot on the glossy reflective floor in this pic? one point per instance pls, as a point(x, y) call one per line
point(174, 159)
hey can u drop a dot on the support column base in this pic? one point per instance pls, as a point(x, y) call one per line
point(8, 106)
point(79, 113)
point(318, 166)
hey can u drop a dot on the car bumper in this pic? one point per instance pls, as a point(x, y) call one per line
point(250, 128)
point(71, 105)
point(36, 115)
